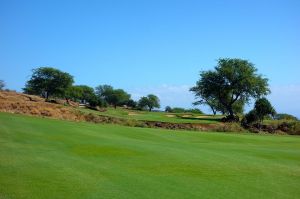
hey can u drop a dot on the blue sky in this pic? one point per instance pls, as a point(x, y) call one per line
point(152, 46)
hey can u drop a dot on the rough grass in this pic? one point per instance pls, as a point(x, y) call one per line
point(45, 158)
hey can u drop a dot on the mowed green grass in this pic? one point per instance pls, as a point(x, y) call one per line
point(156, 116)
point(44, 158)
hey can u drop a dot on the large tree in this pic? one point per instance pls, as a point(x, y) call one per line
point(47, 81)
point(143, 102)
point(114, 97)
point(151, 101)
point(118, 97)
point(233, 82)
point(81, 93)
point(102, 91)
point(213, 104)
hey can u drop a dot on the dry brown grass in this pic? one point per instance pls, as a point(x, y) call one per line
point(13, 102)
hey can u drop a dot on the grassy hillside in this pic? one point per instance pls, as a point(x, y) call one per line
point(156, 116)
point(46, 158)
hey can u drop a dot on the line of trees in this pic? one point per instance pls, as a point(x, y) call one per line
point(227, 89)
point(49, 83)
point(169, 109)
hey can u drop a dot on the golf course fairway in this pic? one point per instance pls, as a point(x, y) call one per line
point(47, 158)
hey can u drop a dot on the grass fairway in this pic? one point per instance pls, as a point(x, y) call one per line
point(43, 158)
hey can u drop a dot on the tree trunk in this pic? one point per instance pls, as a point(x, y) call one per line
point(231, 114)
point(213, 110)
point(47, 96)
point(67, 99)
point(231, 117)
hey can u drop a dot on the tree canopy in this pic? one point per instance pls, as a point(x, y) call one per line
point(118, 97)
point(151, 101)
point(114, 97)
point(47, 81)
point(233, 82)
point(263, 108)
point(81, 93)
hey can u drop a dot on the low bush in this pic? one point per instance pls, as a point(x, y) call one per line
point(285, 116)
point(250, 118)
point(230, 127)
point(194, 110)
point(292, 128)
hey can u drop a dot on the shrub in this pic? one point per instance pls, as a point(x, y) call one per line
point(194, 110)
point(131, 103)
point(178, 110)
point(292, 128)
point(285, 116)
point(168, 109)
point(230, 127)
point(250, 118)
point(263, 108)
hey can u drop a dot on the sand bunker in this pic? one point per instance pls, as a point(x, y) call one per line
point(202, 116)
point(170, 115)
point(186, 116)
point(132, 114)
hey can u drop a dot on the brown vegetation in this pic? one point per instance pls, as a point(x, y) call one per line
point(13, 102)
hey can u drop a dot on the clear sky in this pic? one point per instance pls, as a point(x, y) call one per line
point(152, 46)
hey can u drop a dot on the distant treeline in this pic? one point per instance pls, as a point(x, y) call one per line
point(50, 82)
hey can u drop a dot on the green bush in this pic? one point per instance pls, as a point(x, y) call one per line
point(168, 109)
point(230, 127)
point(178, 110)
point(250, 118)
point(285, 116)
point(194, 110)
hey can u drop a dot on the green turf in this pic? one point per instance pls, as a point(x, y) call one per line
point(44, 158)
point(156, 116)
